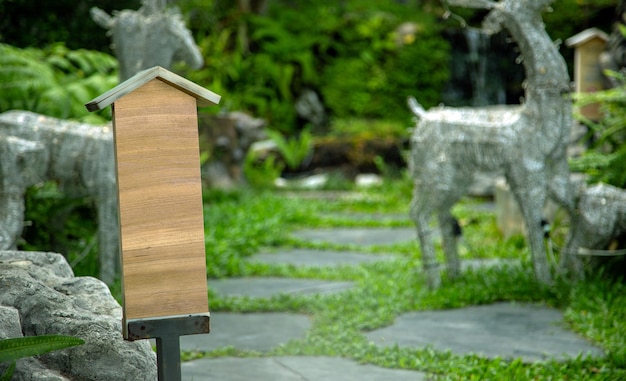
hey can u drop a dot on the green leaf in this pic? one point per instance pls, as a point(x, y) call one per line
point(20, 347)
point(9, 372)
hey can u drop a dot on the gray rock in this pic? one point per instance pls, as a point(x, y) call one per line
point(26, 368)
point(226, 139)
point(10, 319)
point(50, 300)
point(310, 108)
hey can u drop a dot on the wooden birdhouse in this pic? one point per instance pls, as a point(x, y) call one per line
point(155, 128)
point(588, 76)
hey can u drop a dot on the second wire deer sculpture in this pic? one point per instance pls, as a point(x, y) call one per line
point(527, 143)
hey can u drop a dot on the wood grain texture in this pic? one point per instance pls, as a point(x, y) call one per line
point(160, 202)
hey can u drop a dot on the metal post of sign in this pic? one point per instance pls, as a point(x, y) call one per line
point(167, 332)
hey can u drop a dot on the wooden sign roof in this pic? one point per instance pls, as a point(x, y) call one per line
point(203, 96)
point(586, 35)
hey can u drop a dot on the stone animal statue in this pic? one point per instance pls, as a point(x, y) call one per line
point(600, 217)
point(79, 157)
point(151, 36)
point(527, 143)
point(19, 170)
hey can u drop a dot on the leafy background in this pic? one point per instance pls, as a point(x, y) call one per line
point(54, 58)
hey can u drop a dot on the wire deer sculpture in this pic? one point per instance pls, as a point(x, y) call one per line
point(599, 218)
point(79, 157)
point(153, 35)
point(527, 143)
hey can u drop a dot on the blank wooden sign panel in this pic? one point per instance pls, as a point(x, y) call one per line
point(155, 128)
point(160, 196)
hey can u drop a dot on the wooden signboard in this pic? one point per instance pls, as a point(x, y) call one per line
point(588, 77)
point(155, 129)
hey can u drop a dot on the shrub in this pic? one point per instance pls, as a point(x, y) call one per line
point(346, 52)
point(55, 81)
point(605, 161)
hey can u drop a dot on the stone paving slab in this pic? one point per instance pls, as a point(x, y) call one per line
point(292, 368)
point(379, 217)
point(249, 331)
point(358, 236)
point(317, 258)
point(476, 264)
point(506, 330)
point(271, 286)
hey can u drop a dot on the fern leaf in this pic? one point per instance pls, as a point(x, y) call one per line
point(20, 347)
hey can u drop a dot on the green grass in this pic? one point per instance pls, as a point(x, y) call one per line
point(241, 223)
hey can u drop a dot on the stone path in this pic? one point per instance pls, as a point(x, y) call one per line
point(292, 368)
point(317, 258)
point(506, 330)
point(268, 287)
point(360, 236)
point(248, 332)
point(530, 332)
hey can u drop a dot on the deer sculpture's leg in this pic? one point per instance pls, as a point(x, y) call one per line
point(12, 221)
point(420, 215)
point(529, 189)
point(570, 261)
point(108, 239)
point(560, 186)
point(449, 232)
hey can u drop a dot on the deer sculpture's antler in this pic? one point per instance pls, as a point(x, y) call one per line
point(478, 4)
point(493, 21)
point(489, 4)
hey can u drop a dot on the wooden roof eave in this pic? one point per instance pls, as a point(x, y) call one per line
point(203, 96)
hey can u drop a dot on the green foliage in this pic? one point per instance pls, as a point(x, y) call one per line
point(346, 52)
point(239, 223)
point(368, 128)
point(261, 172)
point(26, 23)
point(262, 82)
point(374, 73)
point(8, 374)
point(605, 161)
point(60, 223)
point(20, 347)
point(55, 81)
point(572, 16)
point(293, 150)
point(596, 309)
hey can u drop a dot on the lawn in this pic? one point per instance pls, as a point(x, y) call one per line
point(239, 223)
